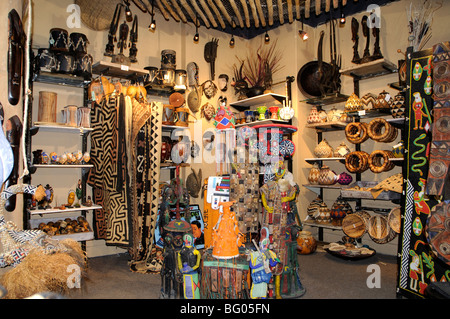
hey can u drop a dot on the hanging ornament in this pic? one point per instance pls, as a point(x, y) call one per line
point(417, 72)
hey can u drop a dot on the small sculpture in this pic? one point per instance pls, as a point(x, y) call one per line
point(366, 56)
point(188, 262)
point(355, 39)
point(262, 262)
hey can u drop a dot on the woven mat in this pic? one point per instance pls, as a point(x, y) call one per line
point(97, 15)
point(393, 183)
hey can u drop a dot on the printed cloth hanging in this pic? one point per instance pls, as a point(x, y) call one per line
point(419, 264)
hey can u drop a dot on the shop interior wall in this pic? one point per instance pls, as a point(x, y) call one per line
point(178, 36)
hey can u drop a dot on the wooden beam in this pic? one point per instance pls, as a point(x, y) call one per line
point(208, 13)
point(318, 7)
point(254, 12)
point(270, 11)
point(217, 13)
point(200, 13)
point(237, 13)
point(179, 11)
point(262, 18)
point(161, 8)
point(307, 8)
point(290, 13)
point(297, 9)
point(224, 11)
point(327, 5)
point(188, 9)
point(335, 4)
point(280, 11)
point(246, 14)
point(171, 11)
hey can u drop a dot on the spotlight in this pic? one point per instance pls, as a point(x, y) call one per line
point(303, 34)
point(342, 19)
point(152, 25)
point(232, 41)
point(266, 38)
point(196, 37)
point(128, 14)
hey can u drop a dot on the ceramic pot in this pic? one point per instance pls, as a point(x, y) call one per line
point(327, 176)
point(323, 150)
point(341, 150)
point(339, 210)
point(324, 214)
point(313, 116)
point(344, 178)
point(313, 176)
point(306, 243)
point(398, 106)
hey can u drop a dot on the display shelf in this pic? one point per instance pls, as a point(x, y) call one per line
point(328, 126)
point(313, 223)
point(63, 165)
point(173, 165)
point(327, 100)
point(173, 127)
point(262, 122)
point(60, 79)
point(117, 70)
point(312, 160)
point(264, 99)
point(316, 188)
point(81, 237)
point(58, 127)
point(66, 210)
point(370, 69)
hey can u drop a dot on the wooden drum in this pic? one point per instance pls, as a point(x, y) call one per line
point(355, 225)
point(47, 107)
point(379, 230)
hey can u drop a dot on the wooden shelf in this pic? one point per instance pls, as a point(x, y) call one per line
point(327, 100)
point(57, 210)
point(312, 223)
point(264, 99)
point(60, 79)
point(312, 160)
point(58, 127)
point(117, 70)
point(328, 126)
point(63, 165)
point(263, 122)
point(370, 69)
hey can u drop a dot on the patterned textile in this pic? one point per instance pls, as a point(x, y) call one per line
point(418, 264)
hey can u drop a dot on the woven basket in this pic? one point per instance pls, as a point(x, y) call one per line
point(97, 15)
point(379, 230)
point(355, 225)
point(394, 219)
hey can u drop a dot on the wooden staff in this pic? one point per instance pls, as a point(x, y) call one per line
point(217, 13)
point(208, 13)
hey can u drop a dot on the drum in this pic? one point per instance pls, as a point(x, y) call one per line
point(167, 77)
point(78, 43)
point(70, 115)
point(355, 225)
point(47, 107)
point(168, 117)
point(379, 230)
point(59, 40)
point(64, 63)
point(46, 60)
point(180, 79)
point(83, 66)
point(168, 59)
point(182, 116)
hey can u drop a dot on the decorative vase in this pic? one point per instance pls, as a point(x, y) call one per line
point(368, 101)
point(274, 112)
point(344, 178)
point(341, 150)
point(398, 106)
point(324, 214)
point(313, 208)
point(254, 91)
point(353, 103)
point(262, 111)
point(313, 116)
point(384, 100)
point(334, 114)
point(339, 210)
point(398, 150)
point(327, 176)
point(306, 243)
point(248, 116)
point(323, 150)
point(323, 117)
point(313, 176)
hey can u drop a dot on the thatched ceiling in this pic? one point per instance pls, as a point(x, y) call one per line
point(248, 18)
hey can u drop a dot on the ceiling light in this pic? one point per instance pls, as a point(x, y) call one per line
point(128, 14)
point(303, 34)
point(152, 25)
point(342, 19)
point(232, 41)
point(266, 38)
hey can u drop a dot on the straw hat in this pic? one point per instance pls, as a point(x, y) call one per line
point(97, 15)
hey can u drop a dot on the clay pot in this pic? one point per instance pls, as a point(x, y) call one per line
point(323, 150)
point(306, 243)
point(313, 176)
point(327, 176)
